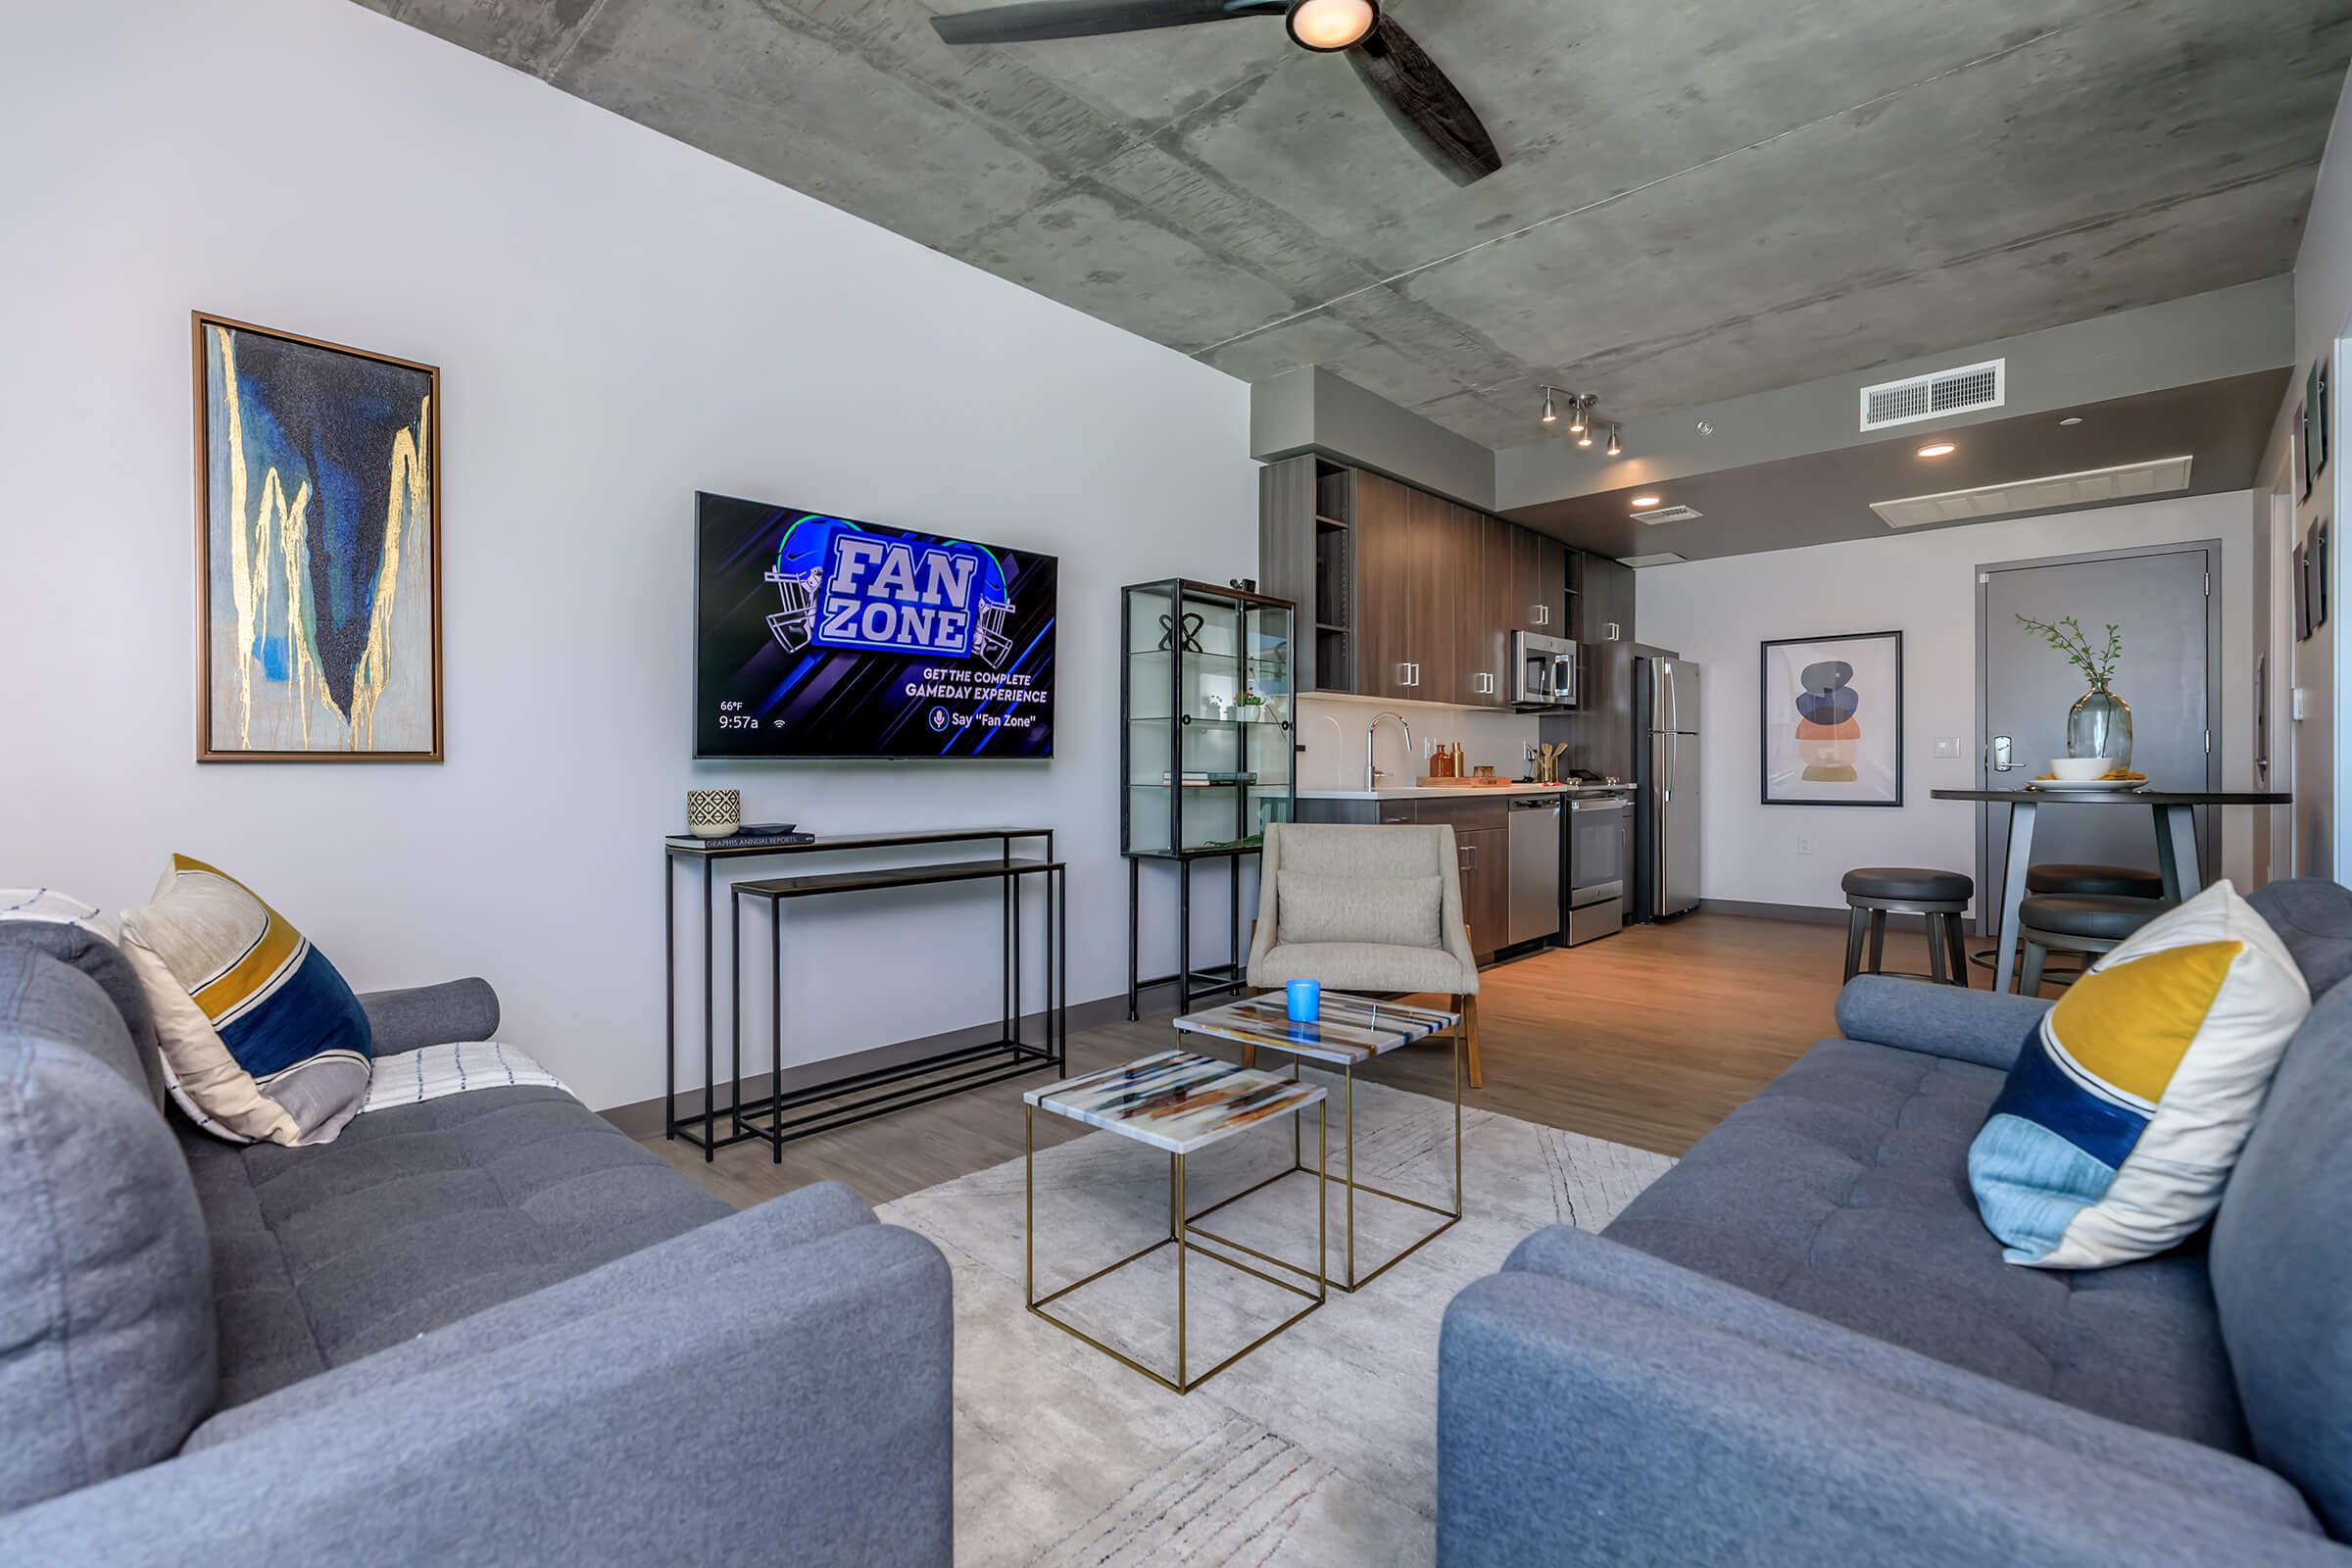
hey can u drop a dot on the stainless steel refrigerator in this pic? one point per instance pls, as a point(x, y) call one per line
point(1666, 774)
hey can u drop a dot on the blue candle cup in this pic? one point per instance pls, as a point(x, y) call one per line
point(1306, 1000)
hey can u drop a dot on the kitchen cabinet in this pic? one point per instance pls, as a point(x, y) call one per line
point(1486, 860)
point(1385, 560)
point(1410, 595)
point(1435, 593)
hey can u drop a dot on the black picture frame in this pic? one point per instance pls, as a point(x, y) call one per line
point(2303, 461)
point(2318, 403)
point(2301, 584)
point(1769, 739)
point(2316, 567)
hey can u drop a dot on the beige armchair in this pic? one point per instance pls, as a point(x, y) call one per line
point(1367, 910)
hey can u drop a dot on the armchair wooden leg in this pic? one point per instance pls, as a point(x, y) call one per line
point(1467, 1007)
point(1249, 1055)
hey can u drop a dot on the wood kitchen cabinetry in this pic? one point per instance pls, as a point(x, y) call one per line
point(1413, 596)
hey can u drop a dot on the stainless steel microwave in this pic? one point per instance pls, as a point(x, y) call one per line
point(1543, 670)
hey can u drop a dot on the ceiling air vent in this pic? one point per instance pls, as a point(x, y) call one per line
point(1664, 558)
point(1966, 390)
point(2128, 483)
point(1658, 514)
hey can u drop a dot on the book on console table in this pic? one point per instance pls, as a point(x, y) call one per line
point(743, 841)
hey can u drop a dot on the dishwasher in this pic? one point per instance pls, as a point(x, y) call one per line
point(1535, 847)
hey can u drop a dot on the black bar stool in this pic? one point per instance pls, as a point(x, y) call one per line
point(2085, 923)
point(2100, 881)
point(1873, 892)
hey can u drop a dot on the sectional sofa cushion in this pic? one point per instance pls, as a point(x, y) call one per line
point(2281, 1261)
point(2116, 1128)
point(260, 1038)
point(1843, 1190)
point(1397, 911)
point(416, 1216)
point(106, 1299)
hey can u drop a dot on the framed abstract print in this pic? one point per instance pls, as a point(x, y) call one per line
point(317, 550)
point(1832, 720)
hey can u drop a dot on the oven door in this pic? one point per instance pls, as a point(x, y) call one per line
point(1598, 853)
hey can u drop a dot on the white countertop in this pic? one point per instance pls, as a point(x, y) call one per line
point(1427, 792)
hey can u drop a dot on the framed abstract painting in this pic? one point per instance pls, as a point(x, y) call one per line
point(317, 550)
point(1832, 720)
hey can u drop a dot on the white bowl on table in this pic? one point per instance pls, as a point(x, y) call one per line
point(2079, 769)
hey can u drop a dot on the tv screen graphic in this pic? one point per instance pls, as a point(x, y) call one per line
point(825, 636)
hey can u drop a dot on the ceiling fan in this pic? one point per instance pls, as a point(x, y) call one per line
point(1426, 108)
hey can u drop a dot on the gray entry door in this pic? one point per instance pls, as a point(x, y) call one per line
point(2161, 598)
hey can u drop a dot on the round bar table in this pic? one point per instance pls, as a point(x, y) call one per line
point(2175, 823)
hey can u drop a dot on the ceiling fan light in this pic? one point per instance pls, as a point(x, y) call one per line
point(1329, 25)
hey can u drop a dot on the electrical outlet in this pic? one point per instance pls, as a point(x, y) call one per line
point(1948, 745)
point(1804, 845)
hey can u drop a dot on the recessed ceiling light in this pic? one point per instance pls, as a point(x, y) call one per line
point(1937, 449)
point(1644, 502)
point(2072, 418)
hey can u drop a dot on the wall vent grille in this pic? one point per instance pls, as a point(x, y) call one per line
point(1966, 390)
point(1664, 558)
point(1658, 514)
point(2129, 482)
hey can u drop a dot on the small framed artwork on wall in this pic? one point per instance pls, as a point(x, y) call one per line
point(1832, 720)
point(2299, 580)
point(317, 550)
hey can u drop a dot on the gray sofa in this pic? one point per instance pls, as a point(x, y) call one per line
point(488, 1328)
point(1802, 1346)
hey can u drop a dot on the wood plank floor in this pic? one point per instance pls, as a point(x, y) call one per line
point(1647, 1038)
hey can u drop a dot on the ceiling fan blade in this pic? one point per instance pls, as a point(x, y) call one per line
point(1086, 18)
point(1423, 104)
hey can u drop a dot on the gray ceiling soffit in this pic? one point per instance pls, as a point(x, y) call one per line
point(1699, 200)
point(2209, 337)
point(1825, 497)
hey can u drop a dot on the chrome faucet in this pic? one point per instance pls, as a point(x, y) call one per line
point(1371, 773)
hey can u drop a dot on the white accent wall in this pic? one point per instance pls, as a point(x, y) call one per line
point(1923, 585)
point(620, 321)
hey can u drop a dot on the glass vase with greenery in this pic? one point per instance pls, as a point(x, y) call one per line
point(2099, 724)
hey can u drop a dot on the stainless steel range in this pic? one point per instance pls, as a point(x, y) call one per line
point(1600, 854)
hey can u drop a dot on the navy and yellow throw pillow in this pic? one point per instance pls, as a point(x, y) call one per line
point(262, 1040)
point(2133, 1098)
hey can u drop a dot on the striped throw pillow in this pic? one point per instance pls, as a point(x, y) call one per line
point(2131, 1099)
point(262, 1040)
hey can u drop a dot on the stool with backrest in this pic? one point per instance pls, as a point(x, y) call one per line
point(1367, 910)
point(1874, 892)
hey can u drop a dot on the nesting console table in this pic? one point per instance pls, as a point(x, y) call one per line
point(800, 1110)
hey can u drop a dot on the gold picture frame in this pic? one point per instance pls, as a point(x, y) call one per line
point(317, 476)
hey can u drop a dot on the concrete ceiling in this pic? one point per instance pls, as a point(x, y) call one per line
point(1701, 198)
point(1825, 497)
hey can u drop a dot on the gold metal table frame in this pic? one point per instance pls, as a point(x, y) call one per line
point(1452, 1216)
point(1180, 1230)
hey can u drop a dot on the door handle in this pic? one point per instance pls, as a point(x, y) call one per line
point(2001, 760)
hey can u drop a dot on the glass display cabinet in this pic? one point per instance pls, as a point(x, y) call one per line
point(1206, 750)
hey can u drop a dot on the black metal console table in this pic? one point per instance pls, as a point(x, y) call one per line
point(877, 1090)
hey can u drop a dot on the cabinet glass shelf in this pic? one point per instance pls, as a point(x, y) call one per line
point(1194, 651)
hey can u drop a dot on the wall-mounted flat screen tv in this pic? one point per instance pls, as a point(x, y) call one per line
point(824, 636)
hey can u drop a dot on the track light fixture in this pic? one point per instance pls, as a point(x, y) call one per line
point(1581, 422)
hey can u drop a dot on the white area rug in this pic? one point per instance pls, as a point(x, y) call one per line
point(1318, 1447)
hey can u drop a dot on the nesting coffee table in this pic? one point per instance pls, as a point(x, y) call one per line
point(1349, 1030)
point(1182, 1102)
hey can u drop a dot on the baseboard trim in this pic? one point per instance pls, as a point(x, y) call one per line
point(644, 1118)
